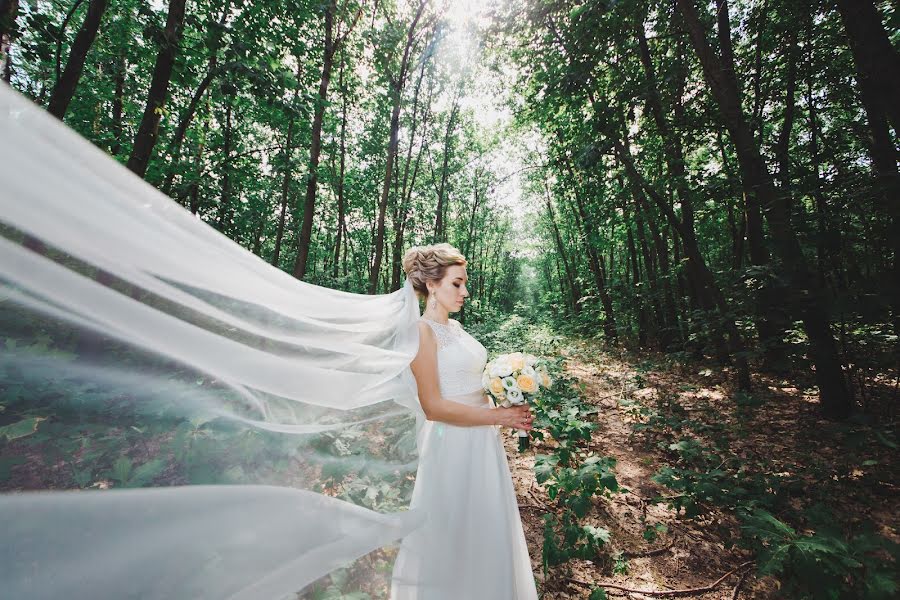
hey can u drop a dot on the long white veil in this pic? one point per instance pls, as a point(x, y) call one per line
point(251, 414)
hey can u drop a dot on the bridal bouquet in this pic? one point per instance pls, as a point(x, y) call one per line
point(515, 378)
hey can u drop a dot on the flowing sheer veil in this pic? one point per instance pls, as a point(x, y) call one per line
point(265, 427)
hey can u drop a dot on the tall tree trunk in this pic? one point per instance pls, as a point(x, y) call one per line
point(609, 320)
point(118, 102)
point(439, 225)
point(397, 84)
point(312, 176)
point(675, 163)
point(343, 163)
point(875, 59)
point(332, 45)
point(193, 191)
point(288, 168)
point(225, 200)
point(212, 71)
point(828, 240)
point(758, 101)
point(561, 252)
point(84, 39)
point(658, 318)
point(698, 269)
point(148, 131)
point(805, 293)
point(9, 10)
point(636, 283)
point(409, 180)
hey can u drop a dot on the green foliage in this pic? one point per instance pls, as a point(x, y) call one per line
point(822, 562)
point(571, 478)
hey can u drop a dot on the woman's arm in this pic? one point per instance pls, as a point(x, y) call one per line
point(424, 367)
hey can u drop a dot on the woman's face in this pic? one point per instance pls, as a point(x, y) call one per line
point(451, 291)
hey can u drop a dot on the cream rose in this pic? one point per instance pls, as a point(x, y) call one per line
point(496, 386)
point(527, 383)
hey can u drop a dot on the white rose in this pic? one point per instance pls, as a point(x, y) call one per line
point(530, 359)
point(515, 396)
point(528, 370)
point(485, 379)
point(501, 368)
point(510, 383)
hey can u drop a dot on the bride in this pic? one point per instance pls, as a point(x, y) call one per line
point(143, 349)
point(472, 545)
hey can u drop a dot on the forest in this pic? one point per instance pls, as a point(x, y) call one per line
point(691, 206)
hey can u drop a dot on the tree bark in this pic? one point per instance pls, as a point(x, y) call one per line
point(609, 320)
point(439, 225)
point(875, 59)
point(9, 10)
point(806, 295)
point(288, 169)
point(561, 251)
point(118, 103)
point(397, 84)
point(225, 200)
point(84, 39)
point(341, 171)
point(148, 131)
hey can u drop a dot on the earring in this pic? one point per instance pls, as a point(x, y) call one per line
point(433, 300)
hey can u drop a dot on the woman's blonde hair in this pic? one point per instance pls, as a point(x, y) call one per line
point(429, 263)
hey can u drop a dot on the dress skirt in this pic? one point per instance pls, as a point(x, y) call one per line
point(471, 545)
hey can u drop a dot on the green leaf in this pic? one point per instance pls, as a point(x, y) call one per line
point(121, 469)
point(597, 594)
point(21, 428)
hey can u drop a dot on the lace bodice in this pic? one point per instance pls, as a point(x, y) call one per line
point(461, 358)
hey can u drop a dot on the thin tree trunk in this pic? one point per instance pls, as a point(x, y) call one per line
point(609, 321)
point(288, 169)
point(332, 45)
point(636, 283)
point(118, 102)
point(561, 251)
point(439, 225)
point(397, 85)
point(225, 200)
point(343, 161)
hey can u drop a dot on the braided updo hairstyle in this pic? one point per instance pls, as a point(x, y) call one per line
point(429, 263)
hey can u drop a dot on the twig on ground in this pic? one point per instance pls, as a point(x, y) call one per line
point(664, 593)
point(740, 583)
point(647, 553)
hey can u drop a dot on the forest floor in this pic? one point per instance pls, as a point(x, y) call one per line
point(783, 434)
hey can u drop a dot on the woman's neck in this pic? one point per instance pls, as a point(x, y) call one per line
point(438, 315)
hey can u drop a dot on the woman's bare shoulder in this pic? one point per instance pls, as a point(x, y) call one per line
point(426, 331)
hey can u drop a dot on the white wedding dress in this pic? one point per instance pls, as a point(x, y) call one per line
point(471, 546)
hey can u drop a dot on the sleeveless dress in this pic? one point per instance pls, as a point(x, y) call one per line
point(471, 546)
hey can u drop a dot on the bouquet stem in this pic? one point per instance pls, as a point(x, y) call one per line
point(524, 440)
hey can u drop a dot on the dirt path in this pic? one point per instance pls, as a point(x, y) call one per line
point(687, 555)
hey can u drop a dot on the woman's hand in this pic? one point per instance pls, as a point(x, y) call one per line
point(517, 417)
